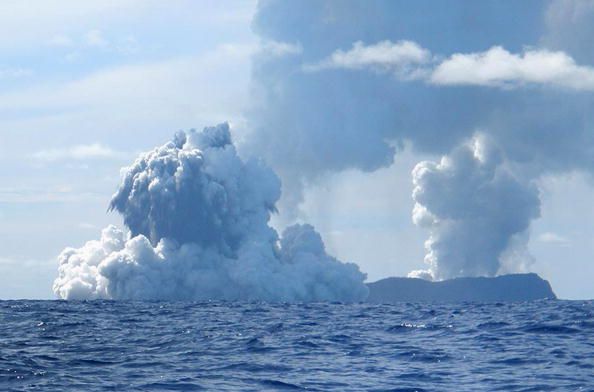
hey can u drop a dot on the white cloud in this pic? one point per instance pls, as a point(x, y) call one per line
point(61, 40)
point(78, 152)
point(495, 67)
point(95, 38)
point(18, 195)
point(272, 48)
point(399, 57)
point(26, 23)
point(281, 48)
point(127, 45)
point(14, 73)
point(83, 43)
point(500, 68)
point(25, 262)
point(553, 238)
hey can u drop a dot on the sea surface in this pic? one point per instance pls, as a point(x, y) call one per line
point(187, 346)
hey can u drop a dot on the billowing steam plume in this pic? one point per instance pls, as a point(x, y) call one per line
point(475, 209)
point(198, 221)
point(374, 75)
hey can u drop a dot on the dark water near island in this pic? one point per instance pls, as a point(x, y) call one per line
point(161, 346)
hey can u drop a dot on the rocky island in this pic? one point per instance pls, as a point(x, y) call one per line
point(514, 287)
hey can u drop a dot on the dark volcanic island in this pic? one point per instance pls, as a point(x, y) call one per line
point(515, 287)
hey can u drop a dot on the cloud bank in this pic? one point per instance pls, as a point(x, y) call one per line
point(198, 229)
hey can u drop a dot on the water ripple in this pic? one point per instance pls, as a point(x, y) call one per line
point(156, 346)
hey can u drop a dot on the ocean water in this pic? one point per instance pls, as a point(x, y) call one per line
point(161, 346)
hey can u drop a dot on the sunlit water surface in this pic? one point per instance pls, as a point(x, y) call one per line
point(160, 346)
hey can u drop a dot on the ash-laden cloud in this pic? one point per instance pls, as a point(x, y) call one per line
point(354, 93)
point(477, 212)
point(374, 75)
point(198, 217)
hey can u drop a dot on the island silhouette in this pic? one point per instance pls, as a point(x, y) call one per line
point(513, 287)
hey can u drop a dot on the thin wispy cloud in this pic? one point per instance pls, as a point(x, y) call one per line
point(95, 38)
point(124, 90)
point(78, 152)
point(402, 57)
point(65, 194)
point(271, 48)
point(554, 239)
point(60, 40)
point(25, 262)
point(87, 226)
point(279, 48)
point(14, 73)
point(26, 24)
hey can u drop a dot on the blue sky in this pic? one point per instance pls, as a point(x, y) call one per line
point(85, 86)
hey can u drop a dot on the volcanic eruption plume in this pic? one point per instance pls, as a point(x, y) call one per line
point(476, 211)
point(197, 216)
